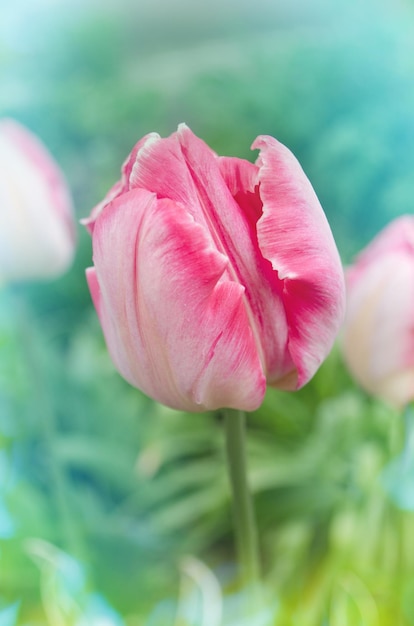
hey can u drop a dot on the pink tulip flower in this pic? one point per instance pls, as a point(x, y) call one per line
point(378, 334)
point(36, 218)
point(212, 275)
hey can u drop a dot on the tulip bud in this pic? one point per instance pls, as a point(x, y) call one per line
point(378, 336)
point(214, 276)
point(37, 231)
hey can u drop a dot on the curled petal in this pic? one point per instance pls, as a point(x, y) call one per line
point(294, 235)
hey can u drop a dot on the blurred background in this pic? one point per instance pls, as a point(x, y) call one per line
point(114, 510)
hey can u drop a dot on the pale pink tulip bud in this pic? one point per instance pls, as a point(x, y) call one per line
point(214, 276)
point(37, 231)
point(378, 335)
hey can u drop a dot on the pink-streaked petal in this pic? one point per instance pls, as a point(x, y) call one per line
point(160, 167)
point(175, 325)
point(113, 281)
point(231, 212)
point(294, 235)
point(129, 162)
point(240, 175)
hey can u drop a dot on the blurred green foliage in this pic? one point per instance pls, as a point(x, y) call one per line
point(102, 492)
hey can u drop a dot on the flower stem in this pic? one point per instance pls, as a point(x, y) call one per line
point(243, 513)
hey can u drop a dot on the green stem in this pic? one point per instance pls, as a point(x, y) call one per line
point(243, 513)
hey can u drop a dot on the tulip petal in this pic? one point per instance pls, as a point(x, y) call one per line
point(175, 325)
point(232, 213)
point(37, 234)
point(378, 336)
point(38, 158)
point(241, 179)
point(160, 167)
point(184, 169)
point(112, 280)
point(294, 235)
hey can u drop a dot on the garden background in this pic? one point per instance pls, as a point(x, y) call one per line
point(115, 508)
